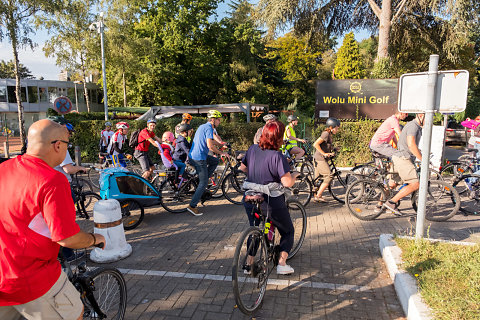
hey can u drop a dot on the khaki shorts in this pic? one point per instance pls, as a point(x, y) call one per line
point(405, 168)
point(61, 302)
point(322, 169)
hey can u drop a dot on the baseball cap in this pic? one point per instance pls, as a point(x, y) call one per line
point(151, 120)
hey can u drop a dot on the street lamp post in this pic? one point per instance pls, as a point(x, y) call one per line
point(99, 26)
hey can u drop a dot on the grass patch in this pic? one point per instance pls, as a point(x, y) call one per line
point(448, 276)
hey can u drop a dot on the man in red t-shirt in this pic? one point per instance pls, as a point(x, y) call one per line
point(145, 138)
point(37, 217)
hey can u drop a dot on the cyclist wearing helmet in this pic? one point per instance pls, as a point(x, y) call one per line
point(186, 119)
point(267, 118)
point(145, 138)
point(105, 136)
point(182, 146)
point(324, 150)
point(116, 144)
point(290, 135)
point(205, 165)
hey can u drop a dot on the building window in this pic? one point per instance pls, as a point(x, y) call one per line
point(71, 94)
point(32, 94)
point(52, 93)
point(43, 94)
point(99, 96)
point(3, 94)
point(12, 98)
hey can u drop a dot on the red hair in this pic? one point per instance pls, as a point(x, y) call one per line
point(272, 136)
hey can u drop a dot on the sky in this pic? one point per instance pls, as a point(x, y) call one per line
point(41, 66)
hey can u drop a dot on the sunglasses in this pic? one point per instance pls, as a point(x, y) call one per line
point(69, 145)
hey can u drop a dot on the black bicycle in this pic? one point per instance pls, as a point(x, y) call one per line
point(257, 253)
point(85, 199)
point(103, 291)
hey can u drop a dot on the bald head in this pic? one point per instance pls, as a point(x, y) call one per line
point(40, 137)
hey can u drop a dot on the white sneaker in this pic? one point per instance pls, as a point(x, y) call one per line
point(286, 269)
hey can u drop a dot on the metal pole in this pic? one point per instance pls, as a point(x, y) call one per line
point(103, 68)
point(427, 141)
point(76, 96)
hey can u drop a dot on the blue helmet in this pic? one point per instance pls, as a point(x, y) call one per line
point(70, 127)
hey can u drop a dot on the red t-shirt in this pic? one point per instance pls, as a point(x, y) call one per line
point(36, 210)
point(143, 136)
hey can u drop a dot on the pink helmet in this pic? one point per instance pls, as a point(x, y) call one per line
point(168, 136)
point(122, 125)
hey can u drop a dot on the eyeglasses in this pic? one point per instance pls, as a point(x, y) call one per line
point(69, 145)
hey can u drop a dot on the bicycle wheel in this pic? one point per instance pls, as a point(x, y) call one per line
point(363, 197)
point(299, 220)
point(132, 213)
point(86, 201)
point(468, 187)
point(307, 169)
point(341, 180)
point(85, 184)
point(108, 290)
point(250, 270)
point(177, 200)
point(455, 170)
point(300, 191)
point(442, 203)
point(365, 169)
point(94, 177)
point(215, 184)
point(232, 187)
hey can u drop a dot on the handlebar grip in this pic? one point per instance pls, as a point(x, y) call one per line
point(100, 245)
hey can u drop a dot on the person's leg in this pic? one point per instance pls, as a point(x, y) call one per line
point(181, 166)
point(121, 160)
point(297, 151)
point(201, 168)
point(322, 169)
point(212, 164)
point(140, 156)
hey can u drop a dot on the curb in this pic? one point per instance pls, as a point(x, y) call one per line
point(405, 285)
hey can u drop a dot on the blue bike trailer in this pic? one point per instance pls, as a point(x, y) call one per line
point(120, 184)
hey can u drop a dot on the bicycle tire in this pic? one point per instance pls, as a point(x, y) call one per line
point(299, 220)
point(109, 291)
point(363, 197)
point(94, 177)
point(300, 191)
point(307, 169)
point(86, 203)
point(249, 289)
point(341, 180)
point(217, 184)
point(132, 213)
point(232, 187)
point(85, 184)
point(455, 170)
point(469, 192)
point(177, 200)
point(442, 203)
point(365, 169)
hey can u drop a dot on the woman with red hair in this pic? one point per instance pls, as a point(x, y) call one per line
point(268, 171)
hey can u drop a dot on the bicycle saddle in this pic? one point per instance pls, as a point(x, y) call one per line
point(254, 197)
point(379, 155)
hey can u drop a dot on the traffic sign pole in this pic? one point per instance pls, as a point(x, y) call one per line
point(427, 141)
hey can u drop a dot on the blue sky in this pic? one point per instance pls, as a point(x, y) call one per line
point(42, 66)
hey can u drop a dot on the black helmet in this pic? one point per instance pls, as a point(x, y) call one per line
point(184, 127)
point(332, 122)
point(291, 118)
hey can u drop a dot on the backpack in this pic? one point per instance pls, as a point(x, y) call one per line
point(133, 142)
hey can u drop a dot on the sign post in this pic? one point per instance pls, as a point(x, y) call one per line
point(430, 92)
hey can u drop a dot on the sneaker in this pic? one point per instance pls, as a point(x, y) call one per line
point(393, 207)
point(194, 211)
point(286, 269)
point(77, 255)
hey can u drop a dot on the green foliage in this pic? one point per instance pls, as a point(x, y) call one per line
point(352, 141)
point(7, 70)
point(382, 69)
point(349, 63)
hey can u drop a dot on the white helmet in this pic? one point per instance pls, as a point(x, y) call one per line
point(122, 125)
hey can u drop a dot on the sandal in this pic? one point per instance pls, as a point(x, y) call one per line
point(319, 199)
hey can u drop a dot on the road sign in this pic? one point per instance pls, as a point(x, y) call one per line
point(63, 105)
point(450, 95)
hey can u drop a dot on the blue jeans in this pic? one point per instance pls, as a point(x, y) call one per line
point(181, 166)
point(205, 169)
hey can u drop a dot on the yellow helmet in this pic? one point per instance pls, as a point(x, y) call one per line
point(213, 114)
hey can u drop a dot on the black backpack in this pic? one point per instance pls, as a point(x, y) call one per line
point(133, 142)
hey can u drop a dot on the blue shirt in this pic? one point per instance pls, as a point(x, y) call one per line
point(199, 149)
point(265, 166)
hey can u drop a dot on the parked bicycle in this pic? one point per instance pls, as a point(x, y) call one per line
point(103, 291)
point(466, 164)
point(85, 199)
point(257, 253)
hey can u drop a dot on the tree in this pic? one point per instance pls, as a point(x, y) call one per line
point(7, 70)
point(16, 25)
point(349, 62)
point(339, 16)
point(71, 38)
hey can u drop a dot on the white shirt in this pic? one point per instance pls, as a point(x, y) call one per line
point(59, 168)
point(107, 135)
point(117, 137)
